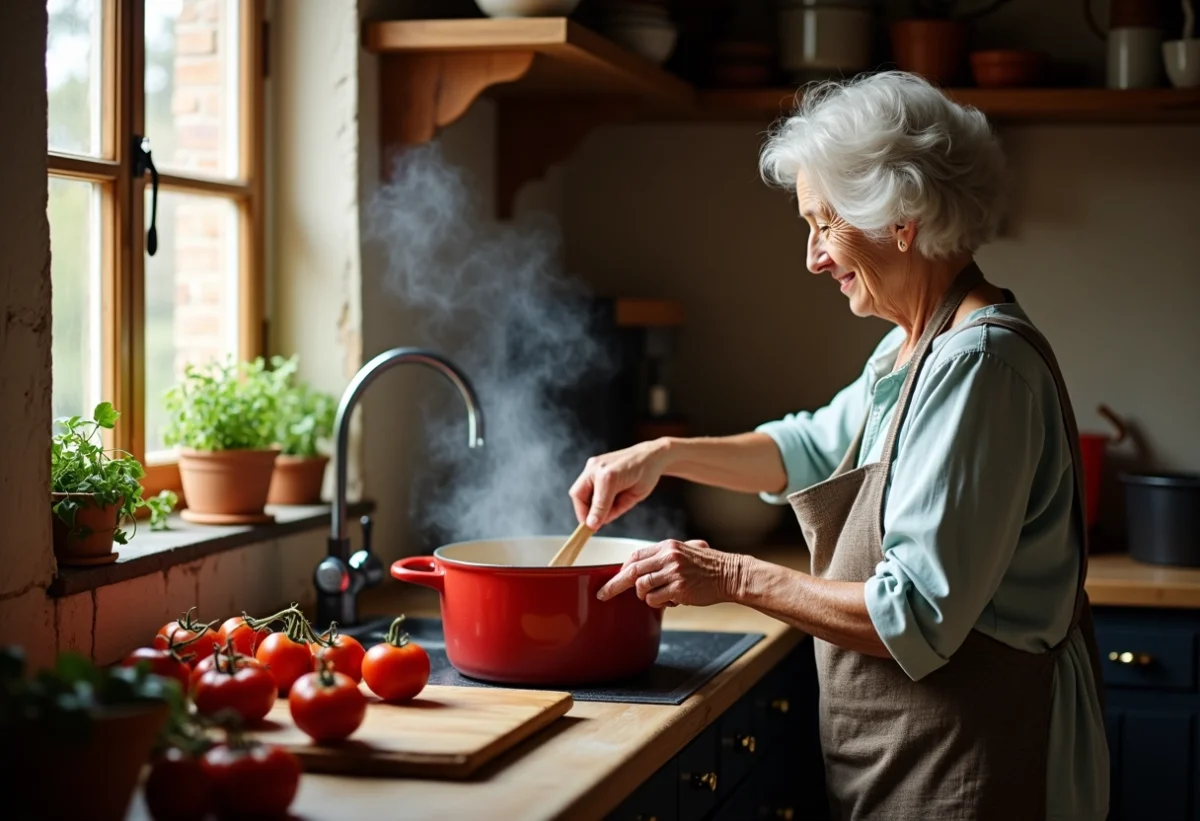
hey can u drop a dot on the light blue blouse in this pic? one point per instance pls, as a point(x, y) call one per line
point(978, 527)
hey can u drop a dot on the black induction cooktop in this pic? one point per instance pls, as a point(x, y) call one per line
point(687, 659)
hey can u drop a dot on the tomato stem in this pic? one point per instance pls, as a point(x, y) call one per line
point(395, 636)
point(188, 622)
point(174, 645)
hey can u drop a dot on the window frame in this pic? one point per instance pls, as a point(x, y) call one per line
point(122, 218)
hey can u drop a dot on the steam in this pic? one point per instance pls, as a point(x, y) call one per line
point(493, 297)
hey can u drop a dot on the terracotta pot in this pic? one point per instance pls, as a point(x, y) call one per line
point(297, 480)
point(932, 48)
point(509, 618)
point(90, 541)
point(1006, 68)
point(94, 778)
point(226, 486)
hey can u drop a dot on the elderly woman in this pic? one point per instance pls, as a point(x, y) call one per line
point(939, 493)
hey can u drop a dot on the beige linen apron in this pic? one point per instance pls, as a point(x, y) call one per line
point(968, 741)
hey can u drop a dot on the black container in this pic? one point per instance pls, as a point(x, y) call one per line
point(1162, 517)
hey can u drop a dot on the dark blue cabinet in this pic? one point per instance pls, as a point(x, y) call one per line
point(758, 761)
point(1152, 711)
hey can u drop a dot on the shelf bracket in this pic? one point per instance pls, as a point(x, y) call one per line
point(422, 92)
point(534, 134)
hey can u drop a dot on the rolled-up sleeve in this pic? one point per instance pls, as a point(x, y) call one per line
point(955, 507)
point(811, 444)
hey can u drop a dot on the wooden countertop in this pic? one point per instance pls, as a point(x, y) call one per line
point(590, 760)
point(1115, 579)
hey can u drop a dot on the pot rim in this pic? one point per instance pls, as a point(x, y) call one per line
point(202, 453)
point(1166, 479)
point(441, 557)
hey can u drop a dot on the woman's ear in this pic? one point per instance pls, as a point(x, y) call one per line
point(904, 234)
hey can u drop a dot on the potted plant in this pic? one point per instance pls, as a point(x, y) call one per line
point(932, 42)
point(94, 491)
point(306, 419)
point(80, 733)
point(224, 416)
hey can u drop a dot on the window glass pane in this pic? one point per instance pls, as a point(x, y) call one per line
point(191, 85)
point(191, 294)
point(74, 214)
point(73, 75)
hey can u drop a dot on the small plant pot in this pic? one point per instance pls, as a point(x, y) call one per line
point(93, 777)
point(90, 540)
point(226, 487)
point(932, 48)
point(297, 480)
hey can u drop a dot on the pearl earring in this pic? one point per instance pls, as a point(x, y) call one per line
point(903, 245)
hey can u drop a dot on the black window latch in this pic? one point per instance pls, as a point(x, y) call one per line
point(143, 162)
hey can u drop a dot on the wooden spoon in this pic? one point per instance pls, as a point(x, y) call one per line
point(569, 552)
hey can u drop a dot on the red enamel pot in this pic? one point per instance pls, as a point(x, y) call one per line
point(510, 619)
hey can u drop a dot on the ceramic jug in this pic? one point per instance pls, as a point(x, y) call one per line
point(1134, 40)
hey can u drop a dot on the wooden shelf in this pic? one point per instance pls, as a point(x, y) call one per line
point(1029, 105)
point(569, 60)
point(555, 81)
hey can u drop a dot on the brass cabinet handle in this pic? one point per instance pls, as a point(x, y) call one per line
point(785, 813)
point(746, 742)
point(1131, 659)
point(708, 780)
point(780, 704)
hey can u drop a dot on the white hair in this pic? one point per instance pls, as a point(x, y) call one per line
point(886, 148)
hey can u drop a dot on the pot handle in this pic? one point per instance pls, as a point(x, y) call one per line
point(421, 570)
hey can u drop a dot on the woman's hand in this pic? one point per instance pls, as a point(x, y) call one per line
point(672, 572)
point(614, 483)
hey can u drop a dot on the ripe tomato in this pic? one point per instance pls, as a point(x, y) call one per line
point(182, 631)
point(327, 705)
point(245, 638)
point(178, 788)
point(286, 659)
point(346, 656)
point(259, 781)
point(397, 669)
point(163, 663)
point(210, 663)
point(247, 690)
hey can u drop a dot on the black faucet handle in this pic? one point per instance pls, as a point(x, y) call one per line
point(365, 561)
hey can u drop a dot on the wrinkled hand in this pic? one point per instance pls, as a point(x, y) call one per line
point(612, 484)
point(672, 572)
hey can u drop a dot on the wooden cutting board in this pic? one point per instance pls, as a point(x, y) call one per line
point(445, 732)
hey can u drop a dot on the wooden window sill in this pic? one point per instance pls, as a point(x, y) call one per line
point(155, 551)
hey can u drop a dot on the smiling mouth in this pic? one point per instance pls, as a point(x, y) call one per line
point(845, 280)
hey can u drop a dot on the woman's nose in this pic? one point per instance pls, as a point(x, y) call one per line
point(818, 260)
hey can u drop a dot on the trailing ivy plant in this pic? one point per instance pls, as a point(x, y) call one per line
point(79, 464)
point(227, 405)
point(306, 418)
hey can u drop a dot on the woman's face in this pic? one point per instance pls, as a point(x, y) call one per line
point(867, 270)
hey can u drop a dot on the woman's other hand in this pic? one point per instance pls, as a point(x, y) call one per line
point(612, 484)
point(673, 572)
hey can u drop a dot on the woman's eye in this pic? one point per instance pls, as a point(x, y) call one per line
point(822, 227)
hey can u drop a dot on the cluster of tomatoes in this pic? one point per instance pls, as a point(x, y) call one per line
point(232, 676)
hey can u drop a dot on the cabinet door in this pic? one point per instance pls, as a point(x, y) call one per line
point(657, 799)
point(1155, 770)
point(698, 776)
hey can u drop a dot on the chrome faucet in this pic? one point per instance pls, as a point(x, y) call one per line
point(341, 576)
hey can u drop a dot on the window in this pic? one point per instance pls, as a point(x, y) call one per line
point(182, 79)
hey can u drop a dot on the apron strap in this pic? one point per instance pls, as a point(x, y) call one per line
point(1035, 338)
point(967, 279)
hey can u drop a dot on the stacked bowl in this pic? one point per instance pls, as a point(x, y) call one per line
point(642, 26)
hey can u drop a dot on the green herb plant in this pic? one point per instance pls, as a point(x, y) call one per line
point(227, 405)
point(80, 464)
point(306, 419)
point(64, 700)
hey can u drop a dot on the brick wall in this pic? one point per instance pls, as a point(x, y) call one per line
point(204, 240)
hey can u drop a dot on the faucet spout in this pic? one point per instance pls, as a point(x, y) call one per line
point(340, 577)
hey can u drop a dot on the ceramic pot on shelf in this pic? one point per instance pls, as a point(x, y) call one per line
point(1182, 57)
point(819, 39)
point(935, 49)
point(1134, 42)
